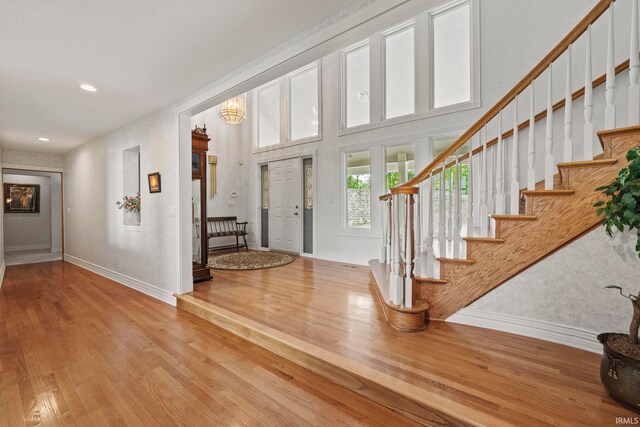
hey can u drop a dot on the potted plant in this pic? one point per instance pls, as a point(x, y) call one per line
point(620, 366)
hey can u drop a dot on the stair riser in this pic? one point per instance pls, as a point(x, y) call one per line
point(561, 219)
point(384, 389)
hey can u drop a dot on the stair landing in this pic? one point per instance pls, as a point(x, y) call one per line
point(326, 317)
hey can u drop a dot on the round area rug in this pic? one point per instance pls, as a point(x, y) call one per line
point(253, 260)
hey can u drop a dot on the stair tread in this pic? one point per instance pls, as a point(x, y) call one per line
point(432, 279)
point(588, 163)
point(484, 239)
point(457, 260)
point(563, 192)
point(515, 217)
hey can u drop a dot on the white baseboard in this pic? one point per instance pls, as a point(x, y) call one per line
point(3, 267)
point(138, 285)
point(340, 258)
point(560, 334)
point(41, 246)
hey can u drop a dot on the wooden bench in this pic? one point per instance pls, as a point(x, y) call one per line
point(227, 226)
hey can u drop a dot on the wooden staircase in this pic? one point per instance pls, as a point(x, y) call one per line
point(553, 219)
point(417, 277)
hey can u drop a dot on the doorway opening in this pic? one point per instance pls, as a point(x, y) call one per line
point(33, 229)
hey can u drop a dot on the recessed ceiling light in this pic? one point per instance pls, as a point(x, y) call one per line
point(43, 139)
point(88, 88)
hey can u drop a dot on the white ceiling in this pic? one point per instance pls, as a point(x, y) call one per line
point(142, 55)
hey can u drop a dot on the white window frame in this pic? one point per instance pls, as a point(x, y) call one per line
point(284, 105)
point(343, 83)
point(423, 83)
point(256, 116)
point(474, 47)
point(288, 141)
point(346, 230)
point(413, 143)
point(384, 35)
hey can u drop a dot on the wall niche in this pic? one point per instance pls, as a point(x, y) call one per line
point(131, 182)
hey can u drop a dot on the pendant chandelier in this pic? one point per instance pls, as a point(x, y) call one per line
point(233, 110)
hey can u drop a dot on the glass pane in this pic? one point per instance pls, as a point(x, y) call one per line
point(400, 165)
point(303, 107)
point(357, 87)
point(196, 221)
point(359, 189)
point(399, 74)
point(452, 57)
point(269, 115)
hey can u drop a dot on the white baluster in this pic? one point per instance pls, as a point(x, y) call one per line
point(418, 234)
point(442, 214)
point(450, 207)
point(634, 68)
point(531, 149)
point(389, 232)
point(407, 297)
point(588, 102)
point(382, 257)
point(610, 92)
point(500, 199)
point(515, 164)
point(491, 173)
point(429, 242)
point(548, 159)
point(470, 221)
point(484, 178)
point(456, 211)
point(395, 281)
point(568, 113)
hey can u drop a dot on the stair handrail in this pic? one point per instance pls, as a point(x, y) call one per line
point(573, 35)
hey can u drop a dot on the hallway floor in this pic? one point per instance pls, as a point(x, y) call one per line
point(31, 257)
point(79, 349)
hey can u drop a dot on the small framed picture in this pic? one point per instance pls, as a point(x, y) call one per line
point(154, 182)
point(21, 198)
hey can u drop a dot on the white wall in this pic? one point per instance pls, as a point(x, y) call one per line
point(29, 231)
point(143, 257)
point(43, 161)
point(56, 212)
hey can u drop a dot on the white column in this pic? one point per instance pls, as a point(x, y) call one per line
point(484, 178)
point(442, 220)
point(515, 164)
point(531, 148)
point(549, 166)
point(429, 241)
point(500, 199)
point(456, 211)
point(568, 113)
point(587, 150)
point(634, 68)
point(610, 92)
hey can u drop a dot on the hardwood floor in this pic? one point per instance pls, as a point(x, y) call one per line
point(477, 375)
point(79, 349)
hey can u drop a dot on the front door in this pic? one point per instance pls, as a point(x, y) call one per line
point(285, 197)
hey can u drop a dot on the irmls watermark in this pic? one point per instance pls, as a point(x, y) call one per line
point(627, 421)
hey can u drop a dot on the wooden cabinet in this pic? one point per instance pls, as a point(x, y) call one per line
point(199, 147)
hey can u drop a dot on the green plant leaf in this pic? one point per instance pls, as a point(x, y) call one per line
point(632, 154)
point(598, 204)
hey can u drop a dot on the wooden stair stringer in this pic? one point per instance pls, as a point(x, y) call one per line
point(559, 221)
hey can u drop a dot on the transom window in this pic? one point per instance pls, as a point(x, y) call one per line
point(427, 66)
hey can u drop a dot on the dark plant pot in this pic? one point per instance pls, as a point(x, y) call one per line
point(620, 375)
